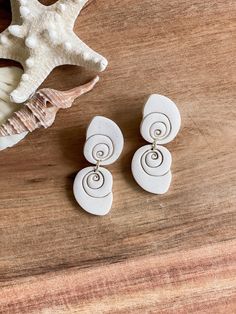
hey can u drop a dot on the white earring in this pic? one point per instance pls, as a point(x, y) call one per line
point(93, 185)
point(151, 164)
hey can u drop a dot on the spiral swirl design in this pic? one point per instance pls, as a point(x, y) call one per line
point(99, 148)
point(156, 127)
point(156, 162)
point(151, 168)
point(97, 184)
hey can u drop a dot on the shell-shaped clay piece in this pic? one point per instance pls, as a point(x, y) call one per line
point(151, 168)
point(104, 142)
point(93, 190)
point(9, 79)
point(41, 110)
point(161, 120)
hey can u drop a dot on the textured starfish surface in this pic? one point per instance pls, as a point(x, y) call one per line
point(41, 38)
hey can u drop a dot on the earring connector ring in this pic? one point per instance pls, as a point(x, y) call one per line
point(97, 165)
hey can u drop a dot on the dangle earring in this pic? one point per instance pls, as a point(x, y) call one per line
point(151, 164)
point(93, 185)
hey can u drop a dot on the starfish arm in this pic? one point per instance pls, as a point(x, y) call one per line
point(78, 53)
point(32, 78)
point(70, 9)
point(37, 31)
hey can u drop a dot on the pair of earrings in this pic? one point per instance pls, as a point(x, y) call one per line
point(151, 164)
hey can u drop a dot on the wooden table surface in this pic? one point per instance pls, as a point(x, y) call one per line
point(153, 254)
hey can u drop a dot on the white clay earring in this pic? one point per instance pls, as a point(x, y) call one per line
point(151, 164)
point(93, 185)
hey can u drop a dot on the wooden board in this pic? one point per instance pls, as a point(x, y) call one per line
point(153, 254)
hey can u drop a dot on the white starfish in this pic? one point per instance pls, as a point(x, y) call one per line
point(41, 38)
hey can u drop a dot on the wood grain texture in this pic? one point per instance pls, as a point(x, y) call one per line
point(153, 254)
point(166, 284)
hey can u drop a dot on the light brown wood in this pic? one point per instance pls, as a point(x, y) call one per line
point(198, 281)
point(153, 254)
